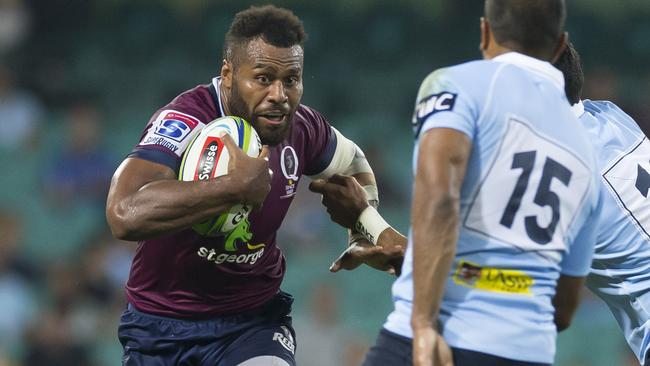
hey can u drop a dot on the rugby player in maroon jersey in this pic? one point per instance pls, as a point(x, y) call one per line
point(192, 300)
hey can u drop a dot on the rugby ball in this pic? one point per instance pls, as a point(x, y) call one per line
point(207, 157)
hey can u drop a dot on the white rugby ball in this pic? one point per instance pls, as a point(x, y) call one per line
point(207, 157)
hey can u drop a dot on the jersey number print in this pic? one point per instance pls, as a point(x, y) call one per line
point(629, 180)
point(531, 192)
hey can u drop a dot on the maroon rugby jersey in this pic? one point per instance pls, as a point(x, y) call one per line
point(187, 275)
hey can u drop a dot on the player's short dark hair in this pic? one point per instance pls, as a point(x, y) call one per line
point(533, 26)
point(571, 66)
point(276, 26)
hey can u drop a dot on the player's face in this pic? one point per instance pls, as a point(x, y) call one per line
point(266, 88)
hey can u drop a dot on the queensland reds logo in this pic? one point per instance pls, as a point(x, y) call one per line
point(289, 166)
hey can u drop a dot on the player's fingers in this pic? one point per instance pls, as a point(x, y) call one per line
point(363, 252)
point(339, 179)
point(317, 186)
point(323, 187)
point(264, 154)
point(335, 266)
point(230, 144)
point(395, 251)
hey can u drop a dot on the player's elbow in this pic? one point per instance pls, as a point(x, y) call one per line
point(121, 225)
point(445, 205)
point(562, 321)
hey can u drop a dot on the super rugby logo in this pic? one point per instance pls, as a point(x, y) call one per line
point(175, 126)
point(207, 164)
point(431, 105)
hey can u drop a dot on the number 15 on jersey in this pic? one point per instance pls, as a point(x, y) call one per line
point(531, 192)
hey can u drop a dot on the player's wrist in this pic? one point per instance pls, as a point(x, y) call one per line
point(237, 191)
point(370, 224)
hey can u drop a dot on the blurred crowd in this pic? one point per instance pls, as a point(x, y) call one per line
point(78, 80)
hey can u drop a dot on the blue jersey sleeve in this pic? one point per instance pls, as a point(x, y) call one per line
point(442, 102)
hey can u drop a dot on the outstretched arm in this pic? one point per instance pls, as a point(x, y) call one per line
point(146, 199)
point(349, 189)
point(346, 200)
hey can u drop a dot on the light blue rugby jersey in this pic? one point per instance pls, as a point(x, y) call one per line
point(526, 209)
point(620, 272)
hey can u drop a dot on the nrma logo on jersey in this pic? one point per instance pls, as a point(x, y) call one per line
point(431, 105)
point(493, 279)
point(175, 126)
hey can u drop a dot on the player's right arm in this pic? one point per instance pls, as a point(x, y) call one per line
point(146, 199)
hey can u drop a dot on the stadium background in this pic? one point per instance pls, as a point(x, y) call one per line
point(79, 80)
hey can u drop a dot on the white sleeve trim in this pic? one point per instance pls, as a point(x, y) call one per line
point(342, 158)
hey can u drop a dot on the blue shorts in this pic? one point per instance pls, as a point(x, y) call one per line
point(227, 340)
point(394, 350)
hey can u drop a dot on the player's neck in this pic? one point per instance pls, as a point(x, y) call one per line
point(495, 50)
point(224, 102)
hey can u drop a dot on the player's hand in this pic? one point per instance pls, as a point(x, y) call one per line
point(253, 174)
point(375, 256)
point(343, 197)
point(429, 348)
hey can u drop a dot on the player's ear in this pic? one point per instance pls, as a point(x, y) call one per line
point(562, 45)
point(485, 35)
point(226, 74)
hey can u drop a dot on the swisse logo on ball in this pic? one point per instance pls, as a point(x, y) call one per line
point(208, 160)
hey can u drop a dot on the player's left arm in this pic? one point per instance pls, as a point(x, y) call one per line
point(573, 269)
point(442, 162)
point(350, 192)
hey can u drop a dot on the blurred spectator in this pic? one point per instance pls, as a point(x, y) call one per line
point(602, 83)
point(17, 293)
point(81, 170)
point(51, 343)
point(21, 113)
point(14, 24)
point(307, 229)
point(322, 338)
point(53, 339)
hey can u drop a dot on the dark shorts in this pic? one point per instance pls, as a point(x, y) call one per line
point(394, 350)
point(227, 340)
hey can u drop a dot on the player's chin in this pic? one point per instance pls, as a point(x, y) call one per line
point(272, 134)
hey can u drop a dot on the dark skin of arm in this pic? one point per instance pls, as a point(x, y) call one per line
point(345, 199)
point(146, 200)
point(443, 155)
point(566, 300)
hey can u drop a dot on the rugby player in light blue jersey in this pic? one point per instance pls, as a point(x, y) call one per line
point(504, 205)
point(620, 271)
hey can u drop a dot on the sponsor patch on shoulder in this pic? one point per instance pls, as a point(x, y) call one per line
point(430, 105)
point(170, 130)
point(501, 280)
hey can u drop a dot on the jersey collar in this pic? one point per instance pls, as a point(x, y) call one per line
point(216, 81)
point(578, 109)
point(534, 65)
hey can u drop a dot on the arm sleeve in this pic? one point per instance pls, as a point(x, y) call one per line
point(171, 129)
point(320, 142)
point(442, 103)
point(166, 137)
